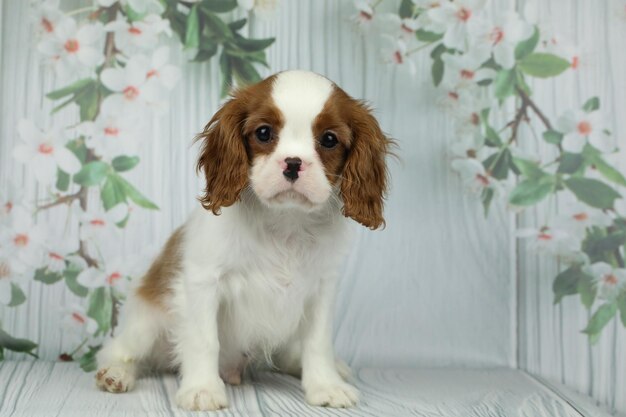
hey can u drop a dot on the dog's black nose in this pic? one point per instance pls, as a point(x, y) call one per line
point(293, 167)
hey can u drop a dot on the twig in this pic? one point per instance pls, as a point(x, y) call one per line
point(519, 116)
point(61, 200)
point(530, 103)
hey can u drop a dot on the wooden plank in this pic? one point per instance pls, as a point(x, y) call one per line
point(45, 389)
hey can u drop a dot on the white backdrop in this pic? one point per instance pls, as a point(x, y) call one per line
point(438, 286)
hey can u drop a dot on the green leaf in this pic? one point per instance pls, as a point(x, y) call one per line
point(437, 71)
point(216, 26)
point(587, 291)
point(219, 6)
point(426, 36)
point(135, 195)
point(438, 51)
point(88, 360)
point(78, 148)
point(592, 192)
point(101, 308)
point(570, 163)
point(592, 104)
point(112, 192)
point(47, 277)
point(406, 9)
point(227, 74)
point(17, 345)
point(532, 190)
point(91, 173)
point(204, 54)
point(566, 283)
point(598, 245)
point(621, 302)
point(612, 174)
point(244, 72)
point(88, 100)
point(601, 318)
point(553, 137)
point(192, 34)
point(63, 180)
point(487, 198)
point(498, 164)
point(526, 47)
point(521, 83)
point(17, 295)
point(70, 89)
point(237, 24)
point(529, 169)
point(543, 65)
point(1, 353)
point(124, 163)
point(253, 45)
point(492, 137)
point(504, 84)
point(71, 280)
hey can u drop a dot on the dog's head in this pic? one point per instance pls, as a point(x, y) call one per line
point(296, 139)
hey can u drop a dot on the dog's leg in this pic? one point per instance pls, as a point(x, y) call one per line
point(321, 380)
point(197, 343)
point(118, 359)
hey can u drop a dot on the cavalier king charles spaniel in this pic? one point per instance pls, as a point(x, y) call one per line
point(251, 276)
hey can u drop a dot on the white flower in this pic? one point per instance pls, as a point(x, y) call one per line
point(395, 53)
point(46, 16)
point(580, 127)
point(365, 15)
point(114, 275)
point(395, 26)
point(558, 45)
point(454, 17)
point(76, 319)
point(466, 108)
point(555, 242)
point(468, 146)
point(99, 225)
point(501, 37)
point(9, 199)
point(57, 254)
point(579, 218)
point(72, 49)
point(22, 240)
point(423, 20)
point(44, 152)
point(608, 280)
point(474, 175)
point(159, 70)
point(132, 91)
point(465, 70)
point(261, 8)
point(113, 133)
point(11, 272)
point(139, 35)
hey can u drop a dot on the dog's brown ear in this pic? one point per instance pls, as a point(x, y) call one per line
point(223, 157)
point(365, 176)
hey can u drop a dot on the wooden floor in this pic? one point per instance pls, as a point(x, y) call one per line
point(62, 389)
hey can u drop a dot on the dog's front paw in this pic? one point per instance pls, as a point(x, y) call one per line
point(115, 379)
point(337, 395)
point(202, 398)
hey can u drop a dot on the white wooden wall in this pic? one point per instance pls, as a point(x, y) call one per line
point(438, 285)
point(550, 342)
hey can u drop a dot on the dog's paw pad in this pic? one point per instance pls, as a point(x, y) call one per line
point(336, 395)
point(208, 398)
point(115, 379)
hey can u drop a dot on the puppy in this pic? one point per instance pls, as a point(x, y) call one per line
point(251, 276)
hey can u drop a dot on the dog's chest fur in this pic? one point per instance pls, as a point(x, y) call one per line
point(269, 272)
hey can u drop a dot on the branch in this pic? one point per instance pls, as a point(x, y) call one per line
point(530, 103)
point(519, 116)
point(66, 199)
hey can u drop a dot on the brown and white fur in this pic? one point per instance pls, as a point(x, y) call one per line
point(251, 276)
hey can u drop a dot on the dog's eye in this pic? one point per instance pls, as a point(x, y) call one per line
point(264, 133)
point(329, 140)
